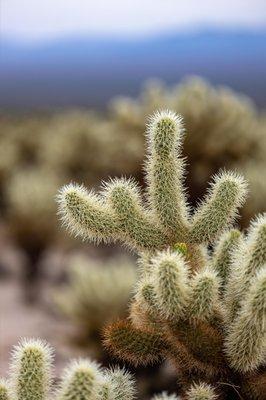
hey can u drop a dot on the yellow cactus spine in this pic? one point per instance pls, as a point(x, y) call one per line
point(121, 384)
point(123, 196)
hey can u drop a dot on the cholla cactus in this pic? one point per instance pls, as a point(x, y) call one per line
point(96, 294)
point(30, 197)
point(31, 370)
point(31, 378)
point(186, 307)
point(66, 136)
point(118, 213)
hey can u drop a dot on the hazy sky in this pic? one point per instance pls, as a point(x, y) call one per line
point(47, 19)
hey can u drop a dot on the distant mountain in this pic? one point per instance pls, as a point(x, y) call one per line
point(88, 72)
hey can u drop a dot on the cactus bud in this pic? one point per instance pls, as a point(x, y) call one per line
point(201, 391)
point(226, 195)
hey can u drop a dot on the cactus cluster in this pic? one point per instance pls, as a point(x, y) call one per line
point(31, 378)
point(200, 300)
point(27, 188)
point(73, 142)
point(96, 294)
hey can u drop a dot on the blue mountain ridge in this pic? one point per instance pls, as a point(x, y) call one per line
point(89, 71)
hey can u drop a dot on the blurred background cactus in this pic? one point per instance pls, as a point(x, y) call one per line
point(97, 293)
point(74, 143)
point(31, 218)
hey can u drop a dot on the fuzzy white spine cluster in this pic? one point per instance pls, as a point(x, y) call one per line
point(201, 391)
point(80, 381)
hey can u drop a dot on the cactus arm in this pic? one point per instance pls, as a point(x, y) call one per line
point(246, 341)
point(80, 381)
point(218, 210)
point(31, 370)
point(123, 196)
point(85, 214)
point(246, 263)
point(170, 279)
point(222, 256)
point(137, 346)
point(164, 169)
point(204, 297)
